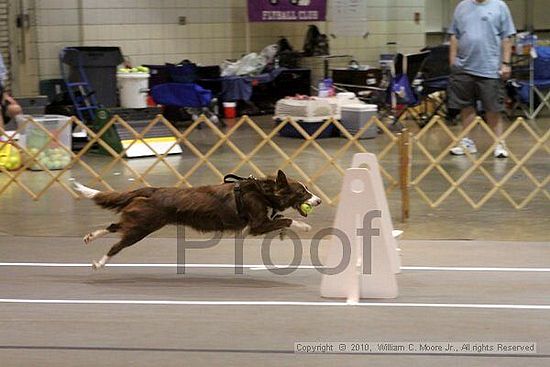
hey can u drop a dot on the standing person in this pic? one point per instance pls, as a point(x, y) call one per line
point(480, 52)
point(10, 107)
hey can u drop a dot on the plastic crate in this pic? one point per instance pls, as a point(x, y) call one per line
point(309, 126)
point(53, 156)
point(355, 116)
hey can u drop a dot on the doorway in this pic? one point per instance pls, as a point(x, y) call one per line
point(20, 49)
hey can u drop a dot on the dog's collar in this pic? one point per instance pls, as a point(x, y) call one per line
point(239, 201)
point(231, 178)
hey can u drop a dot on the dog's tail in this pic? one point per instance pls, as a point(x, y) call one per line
point(111, 199)
point(87, 192)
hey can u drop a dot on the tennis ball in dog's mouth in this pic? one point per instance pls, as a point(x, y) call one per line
point(306, 208)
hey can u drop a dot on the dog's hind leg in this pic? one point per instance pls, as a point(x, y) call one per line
point(138, 220)
point(94, 235)
point(128, 239)
point(100, 233)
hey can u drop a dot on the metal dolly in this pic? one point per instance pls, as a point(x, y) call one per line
point(81, 93)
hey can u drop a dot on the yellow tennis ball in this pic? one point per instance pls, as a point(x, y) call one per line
point(14, 162)
point(306, 208)
point(10, 157)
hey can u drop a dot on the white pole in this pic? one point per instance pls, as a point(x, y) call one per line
point(247, 35)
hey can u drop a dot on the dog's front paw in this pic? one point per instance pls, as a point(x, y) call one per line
point(301, 226)
point(96, 265)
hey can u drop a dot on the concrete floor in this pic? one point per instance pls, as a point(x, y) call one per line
point(433, 305)
point(454, 235)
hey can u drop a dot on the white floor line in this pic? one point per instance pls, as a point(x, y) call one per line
point(473, 268)
point(272, 303)
point(129, 265)
point(263, 267)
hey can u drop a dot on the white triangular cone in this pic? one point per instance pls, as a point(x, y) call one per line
point(358, 209)
point(391, 235)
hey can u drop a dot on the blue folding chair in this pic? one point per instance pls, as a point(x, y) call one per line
point(534, 94)
point(189, 96)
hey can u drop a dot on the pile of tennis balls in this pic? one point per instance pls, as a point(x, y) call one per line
point(10, 158)
point(52, 157)
point(138, 69)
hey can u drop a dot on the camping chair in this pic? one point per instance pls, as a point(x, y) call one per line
point(182, 92)
point(533, 95)
point(430, 83)
point(189, 96)
point(401, 94)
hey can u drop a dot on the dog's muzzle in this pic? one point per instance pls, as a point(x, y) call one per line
point(314, 201)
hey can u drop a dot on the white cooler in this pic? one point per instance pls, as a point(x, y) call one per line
point(133, 88)
point(355, 116)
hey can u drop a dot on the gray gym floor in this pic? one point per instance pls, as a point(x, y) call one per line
point(170, 319)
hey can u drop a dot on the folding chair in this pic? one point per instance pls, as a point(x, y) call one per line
point(404, 73)
point(430, 84)
point(189, 96)
point(534, 94)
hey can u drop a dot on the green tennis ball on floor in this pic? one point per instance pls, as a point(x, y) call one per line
point(306, 208)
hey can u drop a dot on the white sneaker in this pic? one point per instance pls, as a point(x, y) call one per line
point(466, 144)
point(501, 151)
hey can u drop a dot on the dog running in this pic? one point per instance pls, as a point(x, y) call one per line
point(239, 204)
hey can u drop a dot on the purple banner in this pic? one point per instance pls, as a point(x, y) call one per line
point(287, 10)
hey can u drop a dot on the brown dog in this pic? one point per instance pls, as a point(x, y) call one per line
point(238, 206)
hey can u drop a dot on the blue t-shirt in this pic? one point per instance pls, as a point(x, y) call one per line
point(480, 28)
point(3, 71)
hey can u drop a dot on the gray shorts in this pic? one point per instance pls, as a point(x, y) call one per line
point(465, 89)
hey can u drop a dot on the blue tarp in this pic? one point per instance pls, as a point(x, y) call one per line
point(236, 88)
point(181, 95)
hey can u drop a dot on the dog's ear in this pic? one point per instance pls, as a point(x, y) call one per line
point(281, 179)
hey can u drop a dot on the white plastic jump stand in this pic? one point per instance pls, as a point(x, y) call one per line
point(390, 235)
point(358, 217)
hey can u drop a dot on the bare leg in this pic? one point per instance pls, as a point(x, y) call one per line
point(465, 145)
point(494, 119)
point(467, 115)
